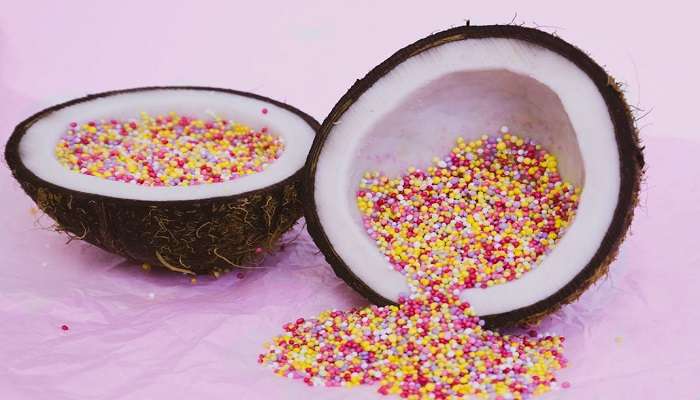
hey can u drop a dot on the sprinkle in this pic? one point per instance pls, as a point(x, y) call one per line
point(479, 217)
point(64, 327)
point(565, 385)
point(167, 151)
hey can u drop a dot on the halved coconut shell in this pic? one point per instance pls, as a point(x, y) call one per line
point(469, 81)
point(196, 229)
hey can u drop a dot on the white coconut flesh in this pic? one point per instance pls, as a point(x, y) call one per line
point(470, 88)
point(38, 144)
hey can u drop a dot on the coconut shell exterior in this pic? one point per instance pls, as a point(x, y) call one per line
point(188, 236)
point(630, 153)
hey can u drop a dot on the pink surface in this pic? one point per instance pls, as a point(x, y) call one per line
point(137, 335)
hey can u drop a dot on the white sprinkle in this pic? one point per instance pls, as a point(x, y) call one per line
point(504, 129)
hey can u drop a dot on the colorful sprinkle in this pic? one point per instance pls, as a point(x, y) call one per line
point(167, 150)
point(483, 215)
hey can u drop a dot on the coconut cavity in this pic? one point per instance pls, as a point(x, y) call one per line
point(426, 122)
point(210, 222)
point(167, 150)
point(38, 144)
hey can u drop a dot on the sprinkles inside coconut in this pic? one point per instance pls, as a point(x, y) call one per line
point(167, 150)
point(490, 209)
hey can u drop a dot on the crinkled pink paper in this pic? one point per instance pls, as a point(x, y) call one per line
point(141, 336)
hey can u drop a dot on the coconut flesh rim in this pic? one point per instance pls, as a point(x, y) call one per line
point(36, 148)
point(469, 88)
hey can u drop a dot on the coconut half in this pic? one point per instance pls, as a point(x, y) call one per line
point(470, 81)
point(194, 229)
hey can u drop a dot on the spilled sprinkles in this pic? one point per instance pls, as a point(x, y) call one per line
point(481, 216)
point(171, 150)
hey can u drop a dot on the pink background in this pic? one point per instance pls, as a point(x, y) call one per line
point(137, 335)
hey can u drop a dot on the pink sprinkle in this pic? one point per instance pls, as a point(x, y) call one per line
point(566, 385)
point(64, 327)
point(264, 110)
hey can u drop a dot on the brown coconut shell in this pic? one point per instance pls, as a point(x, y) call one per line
point(630, 152)
point(188, 236)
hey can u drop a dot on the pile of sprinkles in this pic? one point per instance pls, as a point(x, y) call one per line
point(170, 150)
point(483, 215)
